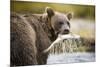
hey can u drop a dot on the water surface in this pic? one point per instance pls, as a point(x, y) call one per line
point(71, 58)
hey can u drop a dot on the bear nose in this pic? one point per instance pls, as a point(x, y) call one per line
point(66, 31)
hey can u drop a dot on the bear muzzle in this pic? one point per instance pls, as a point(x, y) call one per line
point(66, 31)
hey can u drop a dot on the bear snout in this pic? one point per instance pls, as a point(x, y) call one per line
point(66, 31)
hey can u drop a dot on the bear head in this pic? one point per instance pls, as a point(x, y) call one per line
point(60, 22)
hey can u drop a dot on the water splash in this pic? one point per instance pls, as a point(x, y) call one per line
point(65, 44)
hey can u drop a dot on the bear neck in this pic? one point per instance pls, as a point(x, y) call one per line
point(46, 24)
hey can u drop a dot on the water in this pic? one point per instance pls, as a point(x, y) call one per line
point(65, 44)
point(64, 58)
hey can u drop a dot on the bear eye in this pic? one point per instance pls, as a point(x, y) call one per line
point(61, 23)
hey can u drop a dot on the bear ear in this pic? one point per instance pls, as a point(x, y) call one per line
point(49, 11)
point(70, 15)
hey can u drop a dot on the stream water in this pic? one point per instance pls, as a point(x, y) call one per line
point(65, 58)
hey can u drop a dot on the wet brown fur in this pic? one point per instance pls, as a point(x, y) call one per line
point(28, 40)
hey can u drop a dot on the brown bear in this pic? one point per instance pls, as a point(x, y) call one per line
point(31, 34)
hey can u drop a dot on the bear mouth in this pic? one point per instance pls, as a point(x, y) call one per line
point(65, 33)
